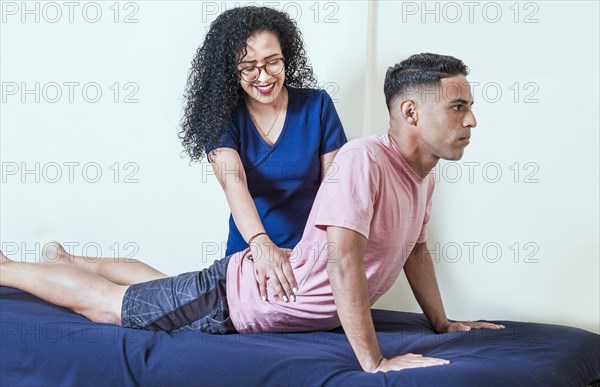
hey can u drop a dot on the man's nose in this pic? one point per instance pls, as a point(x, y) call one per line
point(470, 120)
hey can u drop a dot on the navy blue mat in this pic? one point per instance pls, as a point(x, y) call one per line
point(43, 345)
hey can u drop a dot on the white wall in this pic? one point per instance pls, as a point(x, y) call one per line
point(172, 215)
point(523, 245)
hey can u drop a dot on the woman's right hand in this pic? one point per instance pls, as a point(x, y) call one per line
point(273, 264)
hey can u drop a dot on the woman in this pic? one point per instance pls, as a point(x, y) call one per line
point(267, 134)
point(269, 137)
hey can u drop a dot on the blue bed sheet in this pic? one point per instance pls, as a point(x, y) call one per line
point(44, 345)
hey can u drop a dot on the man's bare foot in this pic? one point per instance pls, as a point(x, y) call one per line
point(54, 252)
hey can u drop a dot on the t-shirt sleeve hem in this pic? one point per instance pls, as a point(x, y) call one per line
point(230, 146)
point(324, 223)
point(332, 147)
point(219, 147)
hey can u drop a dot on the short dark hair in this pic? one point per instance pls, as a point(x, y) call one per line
point(420, 70)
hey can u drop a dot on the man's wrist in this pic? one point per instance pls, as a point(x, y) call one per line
point(373, 366)
point(439, 325)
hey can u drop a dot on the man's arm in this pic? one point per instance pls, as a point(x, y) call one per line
point(350, 291)
point(421, 277)
point(326, 161)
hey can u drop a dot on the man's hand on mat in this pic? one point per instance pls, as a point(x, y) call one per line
point(273, 264)
point(465, 326)
point(410, 360)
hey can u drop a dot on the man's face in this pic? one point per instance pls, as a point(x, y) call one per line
point(445, 118)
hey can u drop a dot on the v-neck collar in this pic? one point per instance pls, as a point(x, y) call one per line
point(283, 130)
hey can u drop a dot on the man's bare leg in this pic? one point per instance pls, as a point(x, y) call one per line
point(68, 286)
point(121, 271)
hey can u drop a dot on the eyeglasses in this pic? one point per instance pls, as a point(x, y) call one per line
point(251, 74)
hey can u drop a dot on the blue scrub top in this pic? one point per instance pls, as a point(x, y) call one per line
point(283, 178)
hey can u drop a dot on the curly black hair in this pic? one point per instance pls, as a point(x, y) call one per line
point(213, 87)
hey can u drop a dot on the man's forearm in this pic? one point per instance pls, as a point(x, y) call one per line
point(421, 277)
point(350, 292)
point(352, 302)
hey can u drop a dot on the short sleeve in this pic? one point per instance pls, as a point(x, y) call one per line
point(348, 193)
point(423, 235)
point(332, 131)
point(229, 139)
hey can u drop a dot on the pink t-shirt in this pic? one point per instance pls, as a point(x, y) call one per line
point(369, 189)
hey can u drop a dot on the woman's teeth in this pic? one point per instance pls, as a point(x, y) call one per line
point(264, 89)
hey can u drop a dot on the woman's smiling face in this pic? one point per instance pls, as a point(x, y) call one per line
point(262, 48)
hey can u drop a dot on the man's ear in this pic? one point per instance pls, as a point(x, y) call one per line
point(408, 111)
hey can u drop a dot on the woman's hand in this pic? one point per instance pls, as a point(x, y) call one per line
point(273, 264)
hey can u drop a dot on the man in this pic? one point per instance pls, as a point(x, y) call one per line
point(369, 220)
point(429, 100)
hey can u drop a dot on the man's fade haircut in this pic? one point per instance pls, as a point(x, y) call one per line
point(420, 70)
